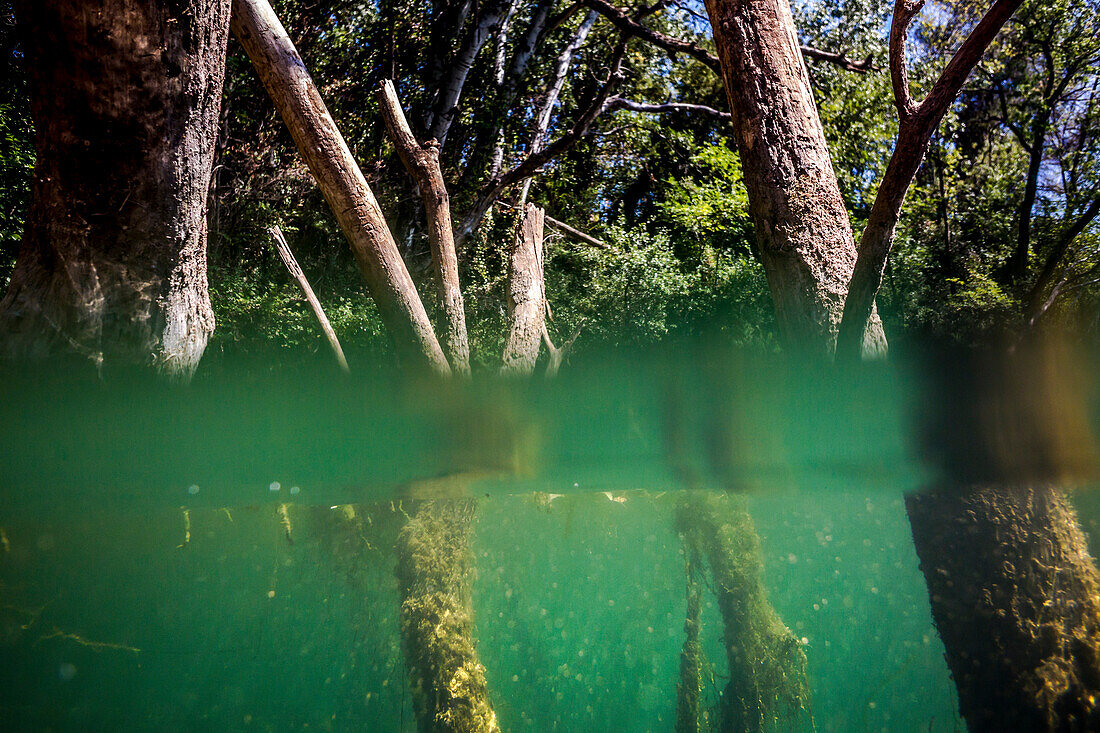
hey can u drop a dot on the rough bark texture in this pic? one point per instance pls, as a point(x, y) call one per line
point(422, 162)
point(805, 239)
point(295, 270)
point(1014, 596)
point(526, 295)
point(125, 97)
point(434, 564)
point(323, 148)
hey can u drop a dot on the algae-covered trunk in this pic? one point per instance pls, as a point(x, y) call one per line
point(1015, 599)
point(767, 666)
point(125, 97)
point(434, 564)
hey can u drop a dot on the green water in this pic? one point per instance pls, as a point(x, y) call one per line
point(179, 558)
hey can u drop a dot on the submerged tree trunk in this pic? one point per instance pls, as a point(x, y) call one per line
point(434, 564)
point(766, 663)
point(125, 97)
point(802, 228)
point(1014, 596)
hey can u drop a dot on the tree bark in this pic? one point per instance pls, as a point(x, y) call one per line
point(802, 228)
point(323, 148)
point(125, 97)
point(526, 295)
point(422, 162)
point(1014, 596)
point(434, 566)
point(295, 270)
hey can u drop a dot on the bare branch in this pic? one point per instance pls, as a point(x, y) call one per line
point(295, 271)
point(621, 20)
point(904, 11)
point(627, 24)
point(965, 59)
point(577, 233)
point(840, 59)
point(615, 103)
point(533, 162)
point(914, 132)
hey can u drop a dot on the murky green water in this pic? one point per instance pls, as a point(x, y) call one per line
point(220, 556)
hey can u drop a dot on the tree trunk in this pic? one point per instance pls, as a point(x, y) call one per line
point(802, 228)
point(526, 296)
point(434, 566)
point(422, 162)
point(323, 148)
point(806, 250)
point(125, 97)
point(1016, 267)
point(1014, 596)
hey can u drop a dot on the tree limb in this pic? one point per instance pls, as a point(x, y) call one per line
point(531, 164)
point(616, 103)
point(915, 127)
point(422, 162)
point(627, 24)
point(1036, 303)
point(295, 270)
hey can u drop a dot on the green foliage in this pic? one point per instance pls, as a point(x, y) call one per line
point(257, 315)
point(711, 208)
point(640, 292)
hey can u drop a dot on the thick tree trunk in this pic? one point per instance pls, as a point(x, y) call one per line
point(802, 227)
point(1014, 596)
point(526, 295)
point(323, 148)
point(125, 97)
point(1017, 588)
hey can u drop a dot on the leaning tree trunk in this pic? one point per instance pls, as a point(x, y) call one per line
point(802, 229)
point(125, 98)
point(993, 609)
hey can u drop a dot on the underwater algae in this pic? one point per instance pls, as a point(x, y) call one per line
point(766, 663)
point(434, 565)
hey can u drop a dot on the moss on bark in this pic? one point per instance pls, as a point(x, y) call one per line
point(767, 666)
point(434, 563)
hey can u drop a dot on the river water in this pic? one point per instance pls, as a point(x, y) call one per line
point(220, 556)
